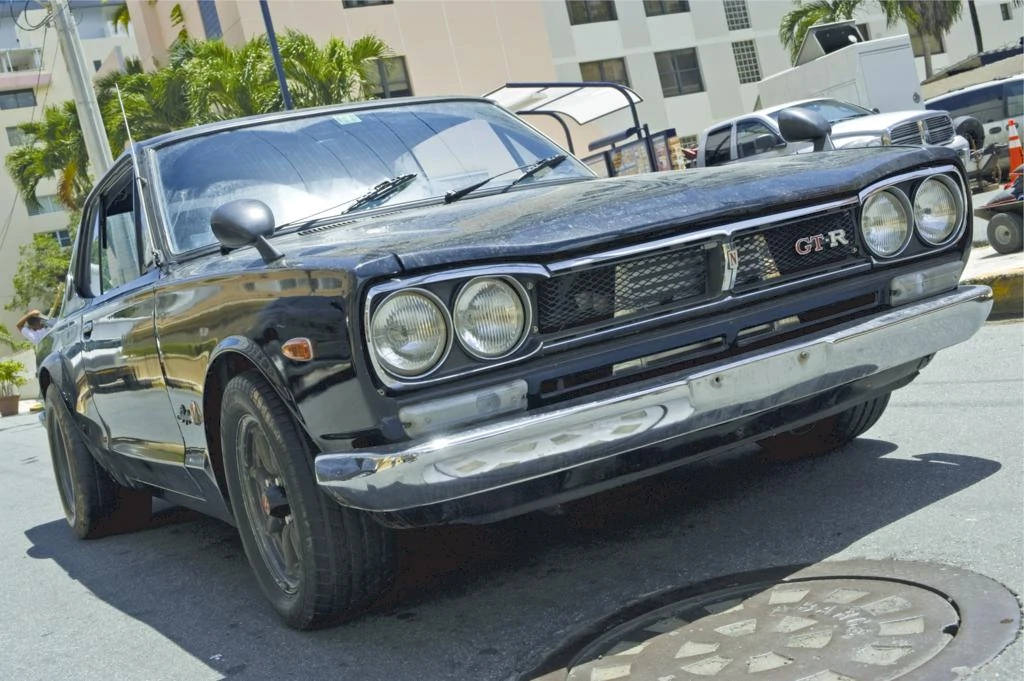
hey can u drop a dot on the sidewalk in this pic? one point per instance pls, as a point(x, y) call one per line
point(1004, 273)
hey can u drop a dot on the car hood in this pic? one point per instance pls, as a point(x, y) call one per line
point(546, 221)
point(877, 123)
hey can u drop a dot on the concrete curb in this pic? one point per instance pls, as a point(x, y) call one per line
point(1007, 292)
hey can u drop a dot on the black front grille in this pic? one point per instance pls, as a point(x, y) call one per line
point(772, 255)
point(622, 289)
point(940, 129)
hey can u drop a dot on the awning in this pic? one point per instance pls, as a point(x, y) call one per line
point(582, 102)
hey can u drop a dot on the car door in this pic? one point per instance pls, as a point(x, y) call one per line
point(756, 139)
point(120, 351)
point(718, 146)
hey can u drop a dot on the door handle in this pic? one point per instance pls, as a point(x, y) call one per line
point(87, 329)
point(996, 129)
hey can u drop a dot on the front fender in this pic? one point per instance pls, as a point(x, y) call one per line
point(254, 355)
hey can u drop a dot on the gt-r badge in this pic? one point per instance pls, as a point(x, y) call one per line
point(807, 244)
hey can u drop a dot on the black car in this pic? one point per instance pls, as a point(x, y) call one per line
point(326, 325)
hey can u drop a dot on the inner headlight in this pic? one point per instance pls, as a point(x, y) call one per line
point(937, 209)
point(885, 222)
point(409, 333)
point(489, 317)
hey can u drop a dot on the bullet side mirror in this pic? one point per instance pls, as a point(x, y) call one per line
point(803, 125)
point(245, 222)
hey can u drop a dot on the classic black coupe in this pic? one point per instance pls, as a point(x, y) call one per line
point(326, 325)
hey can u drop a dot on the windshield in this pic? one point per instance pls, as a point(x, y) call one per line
point(301, 166)
point(833, 110)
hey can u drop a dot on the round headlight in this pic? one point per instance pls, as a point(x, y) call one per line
point(937, 209)
point(409, 333)
point(490, 318)
point(885, 222)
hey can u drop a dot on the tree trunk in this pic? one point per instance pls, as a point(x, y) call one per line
point(976, 25)
point(927, 49)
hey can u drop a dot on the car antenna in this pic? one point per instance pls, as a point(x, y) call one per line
point(135, 171)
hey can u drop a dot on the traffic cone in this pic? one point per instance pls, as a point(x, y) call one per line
point(1016, 154)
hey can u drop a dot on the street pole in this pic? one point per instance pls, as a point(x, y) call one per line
point(276, 54)
point(93, 131)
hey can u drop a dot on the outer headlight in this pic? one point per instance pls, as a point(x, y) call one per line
point(885, 222)
point(938, 209)
point(490, 317)
point(409, 333)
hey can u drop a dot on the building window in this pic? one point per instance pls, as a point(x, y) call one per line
point(96, 64)
point(1004, 7)
point(679, 71)
point(211, 22)
point(351, 4)
point(865, 31)
point(47, 204)
point(17, 99)
point(747, 66)
point(654, 8)
point(934, 43)
point(63, 237)
point(389, 78)
point(16, 137)
point(590, 11)
point(736, 16)
point(608, 70)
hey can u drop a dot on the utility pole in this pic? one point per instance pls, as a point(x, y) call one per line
point(276, 54)
point(93, 131)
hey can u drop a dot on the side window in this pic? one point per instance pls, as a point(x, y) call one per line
point(113, 249)
point(1013, 92)
point(716, 150)
point(985, 104)
point(754, 137)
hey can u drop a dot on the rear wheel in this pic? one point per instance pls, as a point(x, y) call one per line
point(315, 561)
point(94, 504)
point(1005, 233)
point(826, 435)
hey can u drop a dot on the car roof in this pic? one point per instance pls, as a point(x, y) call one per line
point(977, 86)
point(259, 119)
point(766, 111)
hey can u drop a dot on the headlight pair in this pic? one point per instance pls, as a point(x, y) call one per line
point(412, 331)
point(888, 217)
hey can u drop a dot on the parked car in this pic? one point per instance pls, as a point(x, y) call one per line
point(993, 104)
point(402, 313)
point(757, 135)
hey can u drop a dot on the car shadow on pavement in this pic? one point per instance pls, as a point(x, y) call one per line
point(485, 602)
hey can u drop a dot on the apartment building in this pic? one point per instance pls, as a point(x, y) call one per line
point(32, 76)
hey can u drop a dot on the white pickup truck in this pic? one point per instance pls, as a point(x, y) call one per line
point(756, 134)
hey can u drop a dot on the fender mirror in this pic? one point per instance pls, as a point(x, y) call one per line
point(245, 222)
point(802, 125)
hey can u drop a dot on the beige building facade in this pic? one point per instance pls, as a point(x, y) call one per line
point(33, 76)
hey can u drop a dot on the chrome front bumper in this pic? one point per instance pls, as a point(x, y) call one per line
point(538, 443)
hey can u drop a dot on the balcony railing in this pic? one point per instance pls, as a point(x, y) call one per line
point(20, 59)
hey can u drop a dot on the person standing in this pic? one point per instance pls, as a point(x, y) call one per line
point(33, 326)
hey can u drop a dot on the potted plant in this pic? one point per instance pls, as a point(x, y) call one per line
point(11, 378)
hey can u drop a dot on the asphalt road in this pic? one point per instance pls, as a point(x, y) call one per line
point(939, 478)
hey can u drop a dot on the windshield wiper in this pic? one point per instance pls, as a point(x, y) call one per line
point(530, 168)
point(381, 191)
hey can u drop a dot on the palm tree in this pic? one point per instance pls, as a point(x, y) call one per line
point(337, 72)
point(225, 82)
point(55, 149)
point(154, 102)
point(806, 13)
point(930, 18)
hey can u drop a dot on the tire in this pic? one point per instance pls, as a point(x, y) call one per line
point(971, 129)
point(1005, 233)
point(826, 435)
point(94, 504)
point(316, 562)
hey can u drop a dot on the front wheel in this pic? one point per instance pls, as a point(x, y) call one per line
point(825, 435)
point(315, 561)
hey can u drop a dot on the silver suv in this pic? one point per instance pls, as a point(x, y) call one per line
point(756, 135)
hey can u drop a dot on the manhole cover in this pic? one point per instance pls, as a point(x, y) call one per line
point(860, 621)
